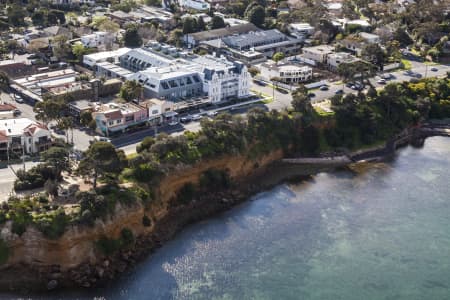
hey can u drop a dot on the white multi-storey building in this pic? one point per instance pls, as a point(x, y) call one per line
point(172, 75)
point(99, 39)
point(23, 135)
point(287, 73)
point(194, 4)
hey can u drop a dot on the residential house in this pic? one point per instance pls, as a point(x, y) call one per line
point(114, 118)
point(318, 54)
point(99, 39)
point(335, 59)
point(300, 30)
point(23, 136)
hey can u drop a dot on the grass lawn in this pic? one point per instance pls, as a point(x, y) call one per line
point(406, 64)
point(323, 112)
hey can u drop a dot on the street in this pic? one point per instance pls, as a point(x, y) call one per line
point(7, 179)
point(282, 100)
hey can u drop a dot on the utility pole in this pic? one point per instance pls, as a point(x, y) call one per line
point(23, 155)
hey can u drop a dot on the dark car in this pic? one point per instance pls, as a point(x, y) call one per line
point(349, 84)
point(324, 87)
point(339, 92)
point(311, 95)
point(186, 119)
point(282, 91)
point(259, 83)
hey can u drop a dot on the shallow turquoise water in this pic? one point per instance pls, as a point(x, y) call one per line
point(382, 234)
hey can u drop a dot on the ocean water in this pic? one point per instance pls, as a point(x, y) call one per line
point(379, 232)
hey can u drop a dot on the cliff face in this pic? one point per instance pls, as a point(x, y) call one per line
point(77, 245)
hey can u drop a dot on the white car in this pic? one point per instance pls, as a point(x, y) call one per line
point(196, 117)
point(18, 99)
point(381, 81)
point(101, 139)
point(212, 113)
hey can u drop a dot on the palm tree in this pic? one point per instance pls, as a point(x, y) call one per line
point(4, 81)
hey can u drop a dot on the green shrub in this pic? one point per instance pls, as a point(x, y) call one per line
point(20, 220)
point(186, 193)
point(215, 179)
point(126, 237)
point(146, 221)
point(4, 252)
point(108, 246)
point(52, 225)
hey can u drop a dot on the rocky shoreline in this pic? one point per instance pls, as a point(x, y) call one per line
point(25, 278)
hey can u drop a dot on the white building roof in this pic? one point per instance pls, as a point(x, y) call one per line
point(16, 127)
point(99, 56)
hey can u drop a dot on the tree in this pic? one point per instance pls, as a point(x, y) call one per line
point(39, 18)
point(16, 15)
point(189, 25)
point(57, 158)
point(131, 37)
point(257, 15)
point(61, 47)
point(79, 50)
point(86, 118)
point(131, 90)
point(253, 71)
point(201, 24)
point(4, 81)
point(50, 109)
point(176, 37)
point(217, 22)
point(278, 56)
point(374, 54)
point(100, 161)
point(51, 187)
point(301, 102)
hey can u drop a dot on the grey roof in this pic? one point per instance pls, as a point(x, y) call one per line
point(253, 39)
point(223, 32)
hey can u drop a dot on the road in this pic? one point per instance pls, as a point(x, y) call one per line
point(283, 101)
point(7, 179)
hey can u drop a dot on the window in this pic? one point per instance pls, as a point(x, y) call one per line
point(154, 112)
point(111, 123)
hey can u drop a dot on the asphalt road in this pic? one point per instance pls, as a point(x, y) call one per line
point(282, 100)
point(7, 179)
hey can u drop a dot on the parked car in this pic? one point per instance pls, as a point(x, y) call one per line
point(196, 117)
point(381, 81)
point(173, 123)
point(261, 83)
point(387, 76)
point(324, 87)
point(339, 92)
point(17, 112)
point(100, 139)
point(186, 119)
point(434, 69)
point(212, 113)
point(311, 95)
point(349, 84)
point(18, 99)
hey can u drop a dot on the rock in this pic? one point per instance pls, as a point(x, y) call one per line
point(52, 284)
point(55, 275)
point(121, 267)
point(106, 263)
point(100, 272)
